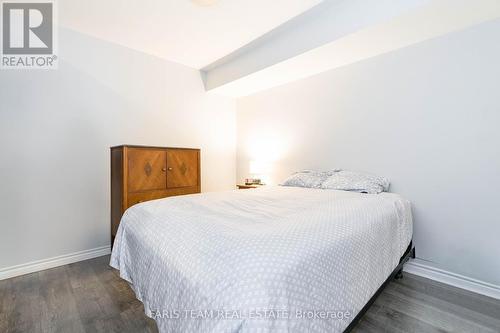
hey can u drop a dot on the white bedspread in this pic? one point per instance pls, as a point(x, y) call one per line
point(267, 257)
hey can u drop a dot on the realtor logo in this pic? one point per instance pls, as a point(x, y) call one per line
point(28, 35)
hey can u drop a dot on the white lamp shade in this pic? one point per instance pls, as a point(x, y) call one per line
point(259, 168)
point(204, 2)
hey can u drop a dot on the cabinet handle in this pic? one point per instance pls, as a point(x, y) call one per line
point(170, 169)
point(163, 169)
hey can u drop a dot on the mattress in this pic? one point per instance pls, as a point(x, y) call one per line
point(273, 259)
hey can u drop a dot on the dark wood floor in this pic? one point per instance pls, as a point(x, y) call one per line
point(90, 297)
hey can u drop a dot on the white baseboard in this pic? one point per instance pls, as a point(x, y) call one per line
point(414, 266)
point(421, 268)
point(43, 264)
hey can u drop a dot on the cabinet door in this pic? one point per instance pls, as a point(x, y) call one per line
point(182, 166)
point(146, 169)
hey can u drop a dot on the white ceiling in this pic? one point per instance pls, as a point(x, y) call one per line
point(242, 75)
point(179, 30)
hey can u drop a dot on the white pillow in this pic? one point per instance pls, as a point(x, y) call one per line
point(356, 181)
point(306, 178)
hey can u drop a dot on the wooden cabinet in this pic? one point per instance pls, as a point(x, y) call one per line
point(140, 174)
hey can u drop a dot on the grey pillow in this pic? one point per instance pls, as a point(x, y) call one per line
point(306, 178)
point(356, 181)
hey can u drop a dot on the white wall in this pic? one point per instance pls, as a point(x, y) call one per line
point(56, 128)
point(426, 116)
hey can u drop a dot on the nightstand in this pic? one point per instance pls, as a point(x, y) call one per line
point(246, 187)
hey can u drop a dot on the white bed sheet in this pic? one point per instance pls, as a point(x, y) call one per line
point(268, 257)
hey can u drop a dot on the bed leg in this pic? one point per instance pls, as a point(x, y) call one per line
point(399, 274)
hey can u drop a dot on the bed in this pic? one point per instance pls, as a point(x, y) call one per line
point(273, 259)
